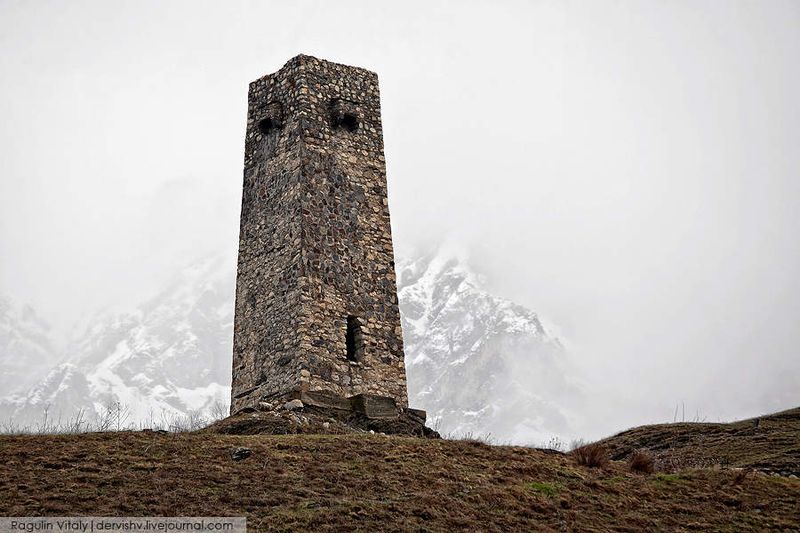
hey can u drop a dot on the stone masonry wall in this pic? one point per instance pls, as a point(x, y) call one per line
point(316, 264)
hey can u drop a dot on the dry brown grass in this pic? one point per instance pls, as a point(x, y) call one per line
point(372, 483)
point(594, 455)
point(641, 462)
point(773, 446)
point(741, 476)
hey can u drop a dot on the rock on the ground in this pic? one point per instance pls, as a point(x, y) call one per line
point(241, 453)
point(293, 405)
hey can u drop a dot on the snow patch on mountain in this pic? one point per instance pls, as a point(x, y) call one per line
point(170, 356)
point(480, 364)
point(26, 346)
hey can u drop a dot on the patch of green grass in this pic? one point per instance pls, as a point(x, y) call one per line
point(668, 478)
point(782, 480)
point(548, 489)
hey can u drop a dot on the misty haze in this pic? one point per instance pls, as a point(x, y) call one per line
point(594, 211)
point(510, 265)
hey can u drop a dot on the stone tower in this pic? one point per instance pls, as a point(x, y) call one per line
point(316, 298)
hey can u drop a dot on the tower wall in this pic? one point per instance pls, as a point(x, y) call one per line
point(316, 298)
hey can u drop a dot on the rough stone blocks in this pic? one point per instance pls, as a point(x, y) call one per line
point(316, 297)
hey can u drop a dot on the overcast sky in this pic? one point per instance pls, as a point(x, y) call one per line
point(630, 170)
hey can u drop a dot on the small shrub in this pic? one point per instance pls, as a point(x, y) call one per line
point(594, 455)
point(471, 438)
point(741, 475)
point(641, 462)
point(554, 444)
point(575, 444)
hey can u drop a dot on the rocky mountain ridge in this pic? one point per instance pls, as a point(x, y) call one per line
point(477, 363)
point(26, 347)
point(480, 364)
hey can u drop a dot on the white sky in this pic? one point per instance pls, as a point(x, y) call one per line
point(629, 169)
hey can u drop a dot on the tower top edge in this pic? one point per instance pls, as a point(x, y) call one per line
point(301, 61)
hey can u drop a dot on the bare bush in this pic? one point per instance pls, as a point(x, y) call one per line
point(219, 411)
point(741, 475)
point(115, 417)
point(575, 444)
point(469, 436)
point(594, 455)
point(191, 421)
point(642, 462)
point(555, 444)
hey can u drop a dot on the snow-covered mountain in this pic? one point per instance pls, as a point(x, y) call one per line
point(170, 356)
point(26, 347)
point(478, 363)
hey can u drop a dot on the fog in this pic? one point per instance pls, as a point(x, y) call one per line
point(628, 170)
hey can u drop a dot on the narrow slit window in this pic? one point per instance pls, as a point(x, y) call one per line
point(353, 340)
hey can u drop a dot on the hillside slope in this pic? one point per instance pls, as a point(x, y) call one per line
point(374, 483)
point(771, 446)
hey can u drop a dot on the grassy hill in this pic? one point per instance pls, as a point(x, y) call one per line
point(769, 444)
point(373, 482)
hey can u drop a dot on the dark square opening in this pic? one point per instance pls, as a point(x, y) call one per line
point(266, 126)
point(349, 122)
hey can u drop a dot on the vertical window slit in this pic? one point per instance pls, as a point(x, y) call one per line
point(353, 340)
